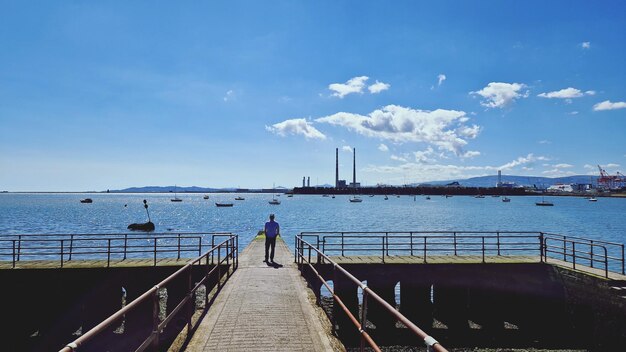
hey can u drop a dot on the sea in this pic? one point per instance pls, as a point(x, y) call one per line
point(63, 213)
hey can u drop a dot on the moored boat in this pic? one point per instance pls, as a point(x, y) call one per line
point(86, 200)
point(223, 204)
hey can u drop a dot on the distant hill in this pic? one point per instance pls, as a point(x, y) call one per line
point(540, 182)
point(191, 189)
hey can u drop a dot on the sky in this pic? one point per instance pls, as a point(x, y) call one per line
point(117, 94)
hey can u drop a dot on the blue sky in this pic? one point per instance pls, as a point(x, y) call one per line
point(251, 93)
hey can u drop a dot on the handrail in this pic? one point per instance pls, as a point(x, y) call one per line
point(577, 253)
point(484, 243)
point(228, 245)
point(366, 293)
point(99, 246)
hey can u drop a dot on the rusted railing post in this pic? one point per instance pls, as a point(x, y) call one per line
point(14, 254)
point(454, 237)
point(155, 318)
point(591, 253)
point(574, 255)
point(219, 266)
point(483, 245)
point(363, 317)
point(342, 244)
point(383, 248)
point(109, 253)
point(62, 241)
point(498, 241)
point(623, 271)
point(19, 247)
point(542, 247)
point(191, 302)
point(125, 245)
point(71, 246)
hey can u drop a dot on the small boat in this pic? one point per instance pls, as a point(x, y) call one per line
point(290, 196)
point(240, 198)
point(479, 196)
point(356, 199)
point(86, 200)
point(176, 199)
point(386, 198)
point(506, 200)
point(397, 196)
point(495, 196)
point(206, 197)
point(223, 204)
point(333, 197)
point(275, 201)
point(593, 199)
point(427, 197)
point(543, 203)
point(448, 195)
point(324, 195)
point(371, 195)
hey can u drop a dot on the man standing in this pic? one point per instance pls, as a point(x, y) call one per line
point(272, 230)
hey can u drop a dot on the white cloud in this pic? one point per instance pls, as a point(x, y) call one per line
point(590, 167)
point(563, 166)
point(378, 87)
point(347, 148)
point(585, 45)
point(557, 173)
point(573, 113)
point(424, 172)
point(500, 95)
point(296, 127)
point(383, 148)
point(522, 160)
point(612, 165)
point(424, 156)
point(608, 105)
point(440, 78)
point(470, 154)
point(566, 93)
point(445, 129)
point(398, 158)
point(544, 142)
point(230, 95)
point(353, 85)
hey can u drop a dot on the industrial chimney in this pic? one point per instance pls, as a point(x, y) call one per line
point(308, 181)
point(303, 177)
point(336, 167)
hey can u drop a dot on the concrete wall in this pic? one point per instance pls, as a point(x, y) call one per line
point(498, 305)
point(43, 308)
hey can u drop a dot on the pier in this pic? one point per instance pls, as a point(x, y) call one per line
point(333, 290)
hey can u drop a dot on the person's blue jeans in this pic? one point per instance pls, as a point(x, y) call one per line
point(270, 242)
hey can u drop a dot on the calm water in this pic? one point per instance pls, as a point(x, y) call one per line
point(63, 213)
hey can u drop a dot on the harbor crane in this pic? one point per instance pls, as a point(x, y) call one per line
point(608, 182)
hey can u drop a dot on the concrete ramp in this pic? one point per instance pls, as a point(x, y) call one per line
point(264, 308)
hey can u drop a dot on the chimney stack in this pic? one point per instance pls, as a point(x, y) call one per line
point(354, 167)
point(303, 181)
point(336, 167)
point(308, 181)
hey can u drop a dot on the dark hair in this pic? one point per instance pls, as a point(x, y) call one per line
point(271, 216)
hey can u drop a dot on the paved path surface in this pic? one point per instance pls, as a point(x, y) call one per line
point(262, 308)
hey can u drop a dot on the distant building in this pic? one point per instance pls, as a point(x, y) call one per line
point(355, 184)
point(341, 183)
point(559, 187)
point(506, 184)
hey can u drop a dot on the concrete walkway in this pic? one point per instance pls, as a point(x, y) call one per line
point(264, 308)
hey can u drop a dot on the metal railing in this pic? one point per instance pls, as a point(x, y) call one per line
point(223, 253)
point(425, 244)
point(303, 246)
point(67, 247)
